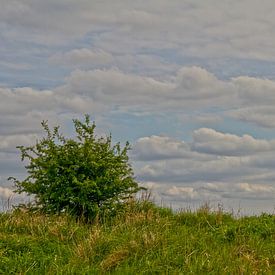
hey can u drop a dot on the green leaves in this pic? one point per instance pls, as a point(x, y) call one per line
point(81, 176)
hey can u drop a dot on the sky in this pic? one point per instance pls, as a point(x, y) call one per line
point(191, 85)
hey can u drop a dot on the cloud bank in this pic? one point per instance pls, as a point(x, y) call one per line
point(214, 166)
point(190, 83)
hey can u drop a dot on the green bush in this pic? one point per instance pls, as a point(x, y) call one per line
point(83, 176)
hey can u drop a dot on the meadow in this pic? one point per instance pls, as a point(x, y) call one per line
point(141, 239)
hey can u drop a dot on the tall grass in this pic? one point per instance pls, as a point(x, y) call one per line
point(141, 239)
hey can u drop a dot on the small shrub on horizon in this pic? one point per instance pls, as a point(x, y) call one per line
point(84, 177)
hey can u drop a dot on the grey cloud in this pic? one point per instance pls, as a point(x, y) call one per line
point(205, 29)
point(207, 144)
point(90, 58)
point(36, 104)
point(19, 100)
point(82, 57)
point(191, 87)
point(266, 176)
point(156, 147)
point(264, 161)
point(22, 123)
point(206, 119)
point(114, 88)
point(246, 99)
point(255, 91)
point(15, 66)
point(126, 58)
point(100, 91)
point(194, 82)
point(10, 165)
point(261, 115)
point(162, 147)
point(9, 143)
point(227, 169)
point(251, 191)
point(48, 22)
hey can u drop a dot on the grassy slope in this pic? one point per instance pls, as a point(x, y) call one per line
point(144, 239)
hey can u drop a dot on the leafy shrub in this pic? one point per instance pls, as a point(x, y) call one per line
point(83, 177)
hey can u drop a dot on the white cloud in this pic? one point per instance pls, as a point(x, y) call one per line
point(6, 193)
point(217, 192)
point(213, 166)
point(212, 142)
point(8, 198)
point(255, 188)
point(183, 193)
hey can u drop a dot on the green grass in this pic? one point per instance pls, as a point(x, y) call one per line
point(144, 239)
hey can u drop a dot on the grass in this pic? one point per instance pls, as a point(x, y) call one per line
point(143, 239)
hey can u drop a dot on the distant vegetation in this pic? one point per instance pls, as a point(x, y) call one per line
point(140, 239)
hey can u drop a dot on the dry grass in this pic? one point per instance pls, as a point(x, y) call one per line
point(142, 239)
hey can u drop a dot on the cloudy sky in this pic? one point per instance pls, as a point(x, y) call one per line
point(191, 84)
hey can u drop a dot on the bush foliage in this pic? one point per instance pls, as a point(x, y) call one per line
point(82, 176)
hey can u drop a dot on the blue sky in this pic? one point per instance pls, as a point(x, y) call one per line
point(190, 84)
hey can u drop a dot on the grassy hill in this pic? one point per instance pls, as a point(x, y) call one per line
point(144, 239)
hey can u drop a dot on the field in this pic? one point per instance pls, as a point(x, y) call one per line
point(143, 239)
